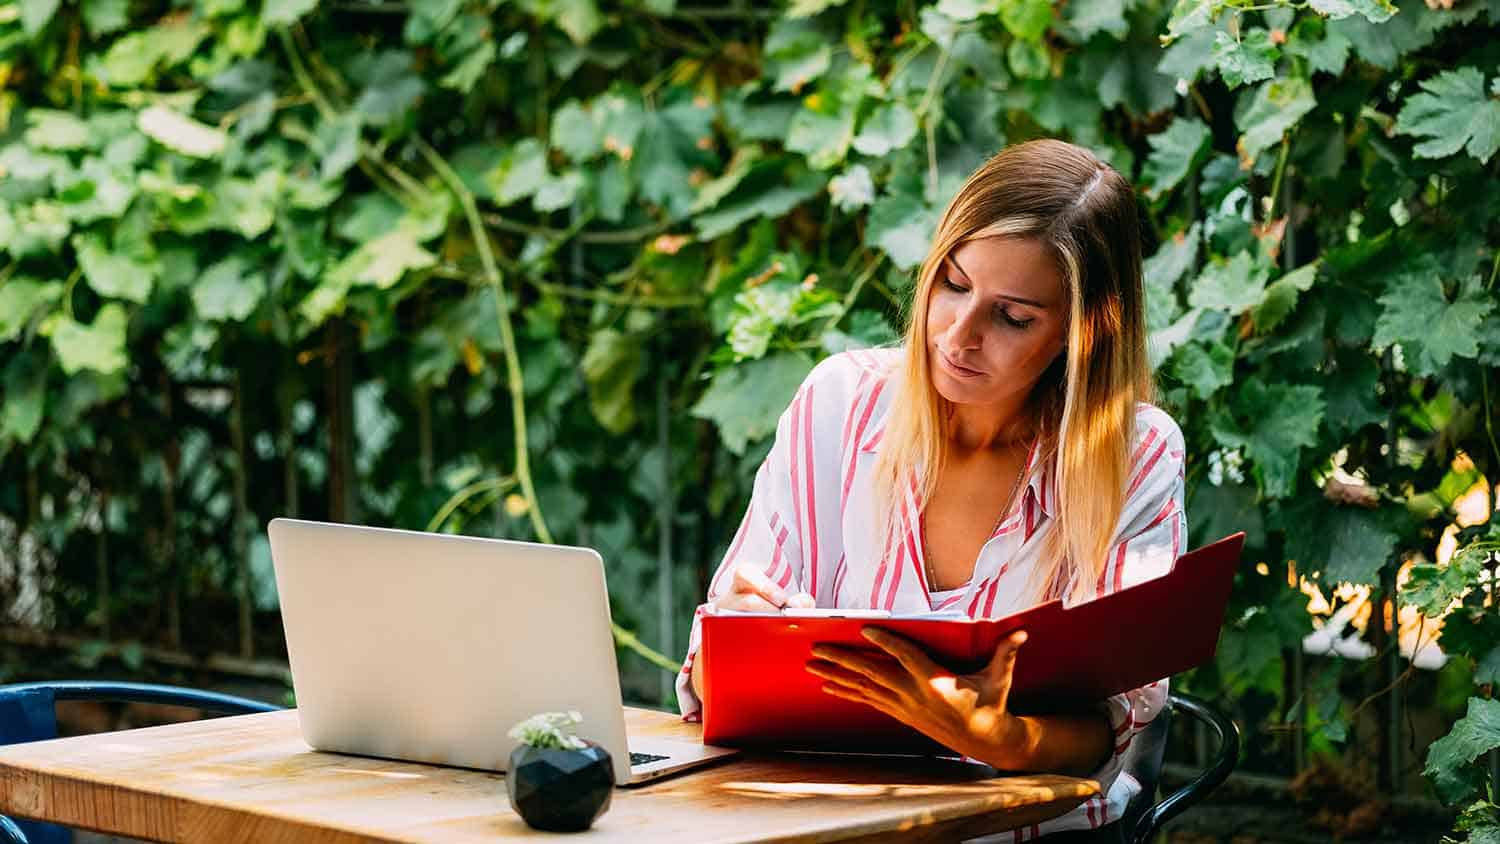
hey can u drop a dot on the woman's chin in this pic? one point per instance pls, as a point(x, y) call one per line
point(955, 391)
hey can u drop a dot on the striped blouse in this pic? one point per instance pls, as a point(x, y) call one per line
point(810, 517)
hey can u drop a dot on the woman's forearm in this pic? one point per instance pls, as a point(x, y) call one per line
point(696, 677)
point(1065, 744)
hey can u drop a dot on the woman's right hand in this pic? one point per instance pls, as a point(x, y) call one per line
point(753, 591)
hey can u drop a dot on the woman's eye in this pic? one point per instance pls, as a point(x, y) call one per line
point(1005, 317)
point(954, 286)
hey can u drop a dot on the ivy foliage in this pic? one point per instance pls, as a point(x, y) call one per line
point(581, 254)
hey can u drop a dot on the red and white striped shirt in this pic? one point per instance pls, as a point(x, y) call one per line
point(810, 524)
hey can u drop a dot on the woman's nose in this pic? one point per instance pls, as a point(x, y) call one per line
point(967, 328)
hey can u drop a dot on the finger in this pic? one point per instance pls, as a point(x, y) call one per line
point(877, 667)
point(751, 580)
point(746, 602)
point(838, 674)
point(906, 652)
point(802, 600)
point(879, 704)
point(1003, 665)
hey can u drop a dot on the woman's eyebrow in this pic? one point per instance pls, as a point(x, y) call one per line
point(1020, 300)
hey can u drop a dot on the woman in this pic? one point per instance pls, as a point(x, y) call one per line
point(1003, 456)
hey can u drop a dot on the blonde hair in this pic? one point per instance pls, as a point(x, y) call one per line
point(1084, 212)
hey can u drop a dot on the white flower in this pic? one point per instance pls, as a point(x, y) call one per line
point(852, 189)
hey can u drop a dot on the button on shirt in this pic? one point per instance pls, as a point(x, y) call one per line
point(810, 526)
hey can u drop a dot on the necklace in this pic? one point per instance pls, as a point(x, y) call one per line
point(1010, 501)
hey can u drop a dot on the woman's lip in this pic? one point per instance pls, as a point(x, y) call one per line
point(963, 371)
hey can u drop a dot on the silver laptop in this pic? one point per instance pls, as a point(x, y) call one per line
point(430, 647)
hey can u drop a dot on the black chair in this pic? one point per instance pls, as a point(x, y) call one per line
point(28, 713)
point(1142, 820)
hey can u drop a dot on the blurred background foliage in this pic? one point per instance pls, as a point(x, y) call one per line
point(552, 268)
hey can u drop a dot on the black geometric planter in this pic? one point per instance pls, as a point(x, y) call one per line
point(560, 790)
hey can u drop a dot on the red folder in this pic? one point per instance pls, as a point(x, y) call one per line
point(757, 692)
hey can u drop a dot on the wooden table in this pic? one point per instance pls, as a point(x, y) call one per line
point(252, 779)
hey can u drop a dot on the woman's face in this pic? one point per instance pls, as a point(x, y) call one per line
point(996, 319)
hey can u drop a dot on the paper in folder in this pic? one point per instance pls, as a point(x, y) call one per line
point(757, 692)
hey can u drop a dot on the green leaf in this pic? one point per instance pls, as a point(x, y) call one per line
point(1454, 113)
point(669, 150)
point(25, 387)
point(384, 260)
point(1450, 759)
point(890, 127)
point(51, 129)
point(824, 128)
point(901, 226)
point(1191, 15)
point(1175, 153)
point(1028, 59)
point(1432, 589)
point(1266, 113)
point(1272, 423)
point(559, 192)
point(575, 132)
point(796, 53)
point(249, 207)
point(180, 133)
point(392, 87)
point(1236, 285)
point(772, 196)
point(1351, 390)
point(467, 72)
point(1091, 17)
point(1328, 54)
point(112, 274)
point(808, 8)
point(285, 12)
point(1250, 58)
point(101, 17)
point(228, 290)
point(1171, 261)
point(1349, 545)
point(1375, 11)
point(95, 191)
point(336, 146)
point(99, 346)
point(1027, 20)
point(1189, 55)
point(20, 299)
point(520, 172)
point(579, 18)
point(1281, 296)
point(36, 14)
point(745, 400)
point(1417, 314)
point(1204, 369)
point(611, 366)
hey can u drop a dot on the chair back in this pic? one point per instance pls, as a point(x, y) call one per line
point(1225, 732)
point(28, 712)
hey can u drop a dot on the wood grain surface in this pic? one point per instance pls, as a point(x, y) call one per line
point(252, 779)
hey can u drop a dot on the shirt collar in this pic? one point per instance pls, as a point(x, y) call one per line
point(1041, 471)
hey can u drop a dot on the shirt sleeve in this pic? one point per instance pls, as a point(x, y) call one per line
point(1150, 537)
point(775, 529)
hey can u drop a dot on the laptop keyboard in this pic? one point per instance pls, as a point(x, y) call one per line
point(644, 758)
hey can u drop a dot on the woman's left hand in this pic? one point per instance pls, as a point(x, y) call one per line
point(968, 713)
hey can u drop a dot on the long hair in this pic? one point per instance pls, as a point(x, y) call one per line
point(1084, 212)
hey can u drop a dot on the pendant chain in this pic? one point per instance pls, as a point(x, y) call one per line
point(1010, 501)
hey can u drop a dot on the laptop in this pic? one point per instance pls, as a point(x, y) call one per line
point(429, 647)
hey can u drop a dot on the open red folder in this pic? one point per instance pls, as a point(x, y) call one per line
point(757, 692)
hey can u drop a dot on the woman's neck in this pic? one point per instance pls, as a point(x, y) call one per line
point(975, 428)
